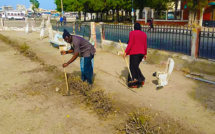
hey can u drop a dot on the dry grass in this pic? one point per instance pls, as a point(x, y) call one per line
point(23, 49)
point(101, 103)
point(148, 122)
point(97, 99)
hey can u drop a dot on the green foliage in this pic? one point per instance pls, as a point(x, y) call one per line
point(35, 4)
point(195, 5)
point(105, 5)
point(158, 4)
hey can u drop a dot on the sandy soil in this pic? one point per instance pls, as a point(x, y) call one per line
point(29, 105)
point(174, 101)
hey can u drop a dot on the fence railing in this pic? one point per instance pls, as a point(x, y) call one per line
point(169, 38)
point(208, 23)
point(207, 43)
point(116, 32)
point(82, 29)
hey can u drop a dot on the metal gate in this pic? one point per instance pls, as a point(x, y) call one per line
point(207, 43)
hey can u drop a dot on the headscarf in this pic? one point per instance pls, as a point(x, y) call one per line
point(137, 26)
point(65, 33)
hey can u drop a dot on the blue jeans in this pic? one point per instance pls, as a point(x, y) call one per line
point(86, 65)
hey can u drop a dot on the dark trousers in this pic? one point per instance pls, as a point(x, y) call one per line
point(86, 65)
point(151, 27)
point(135, 61)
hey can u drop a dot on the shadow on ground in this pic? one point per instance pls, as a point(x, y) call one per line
point(204, 93)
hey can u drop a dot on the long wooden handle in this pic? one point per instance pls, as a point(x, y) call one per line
point(67, 86)
point(126, 60)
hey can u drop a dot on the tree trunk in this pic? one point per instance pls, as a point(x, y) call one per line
point(176, 6)
point(129, 14)
point(117, 14)
point(97, 15)
point(101, 16)
point(113, 15)
point(91, 16)
point(192, 19)
point(107, 15)
point(79, 15)
point(126, 15)
point(85, 14)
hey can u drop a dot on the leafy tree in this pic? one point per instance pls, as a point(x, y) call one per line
point(101, 6)
point(140, 4)
point(194, 6)
point(35, 5)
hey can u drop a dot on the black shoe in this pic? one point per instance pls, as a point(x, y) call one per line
point(154, 74)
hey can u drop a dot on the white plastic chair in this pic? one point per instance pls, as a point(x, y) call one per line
point(56, 42)
point(163, 77)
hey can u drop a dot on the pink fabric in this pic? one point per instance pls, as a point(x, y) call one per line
point(137, 43)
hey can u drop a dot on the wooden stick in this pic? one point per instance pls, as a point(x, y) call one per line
point(126, 60)
point(67, 86)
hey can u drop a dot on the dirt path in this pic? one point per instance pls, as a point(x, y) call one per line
point(28, 105)
point(173, 101)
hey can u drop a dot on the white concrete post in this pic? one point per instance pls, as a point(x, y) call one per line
point(102, 36)
point(152, 13)
point(2, 23)
point(182, 14)
point(146, 13)
point(166, 15)
point(195, 42)
point(201, 17)
point(73, 27)
point(93, 33)
point(42, 25)
point(137, 14)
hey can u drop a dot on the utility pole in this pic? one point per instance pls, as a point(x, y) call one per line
point(62, 7)
point(132, 13)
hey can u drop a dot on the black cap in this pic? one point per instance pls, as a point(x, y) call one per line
point(65, 33)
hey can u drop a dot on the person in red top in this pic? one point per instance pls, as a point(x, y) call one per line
point(137, 49)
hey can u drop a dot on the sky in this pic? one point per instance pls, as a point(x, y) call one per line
point(45, 4)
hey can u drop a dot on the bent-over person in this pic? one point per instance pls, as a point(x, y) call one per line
point(85, 49)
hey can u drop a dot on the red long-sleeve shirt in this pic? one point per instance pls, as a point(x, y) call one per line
point(137, 43)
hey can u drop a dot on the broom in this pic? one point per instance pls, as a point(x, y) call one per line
point(126, 61)
point(67, 86)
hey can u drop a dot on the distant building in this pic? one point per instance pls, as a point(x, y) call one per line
point(7, 8)
point(20, 7)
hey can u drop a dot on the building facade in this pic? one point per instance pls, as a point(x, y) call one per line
point(20, 7)
point(7, 8)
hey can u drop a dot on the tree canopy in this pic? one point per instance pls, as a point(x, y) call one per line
point(104, 5)
point(195, 5)
point(35, 4)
